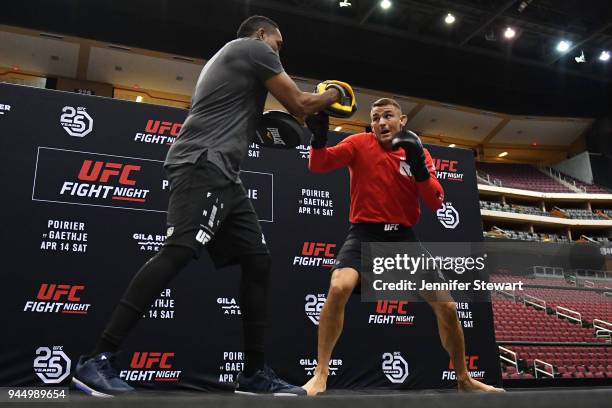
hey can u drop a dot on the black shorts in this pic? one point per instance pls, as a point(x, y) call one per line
point(349, 255)
point(206, 209)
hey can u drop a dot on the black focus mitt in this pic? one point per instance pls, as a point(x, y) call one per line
point(279, 130)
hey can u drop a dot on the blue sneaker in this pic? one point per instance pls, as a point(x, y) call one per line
point(98, 377)
point(265, 381)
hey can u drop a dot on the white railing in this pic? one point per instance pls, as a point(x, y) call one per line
point(546, 365)
point(587, 238)
point(509, 294)
point(568, 181)
point(512, 360)
point(484, 177)
point(548, 271)
point(532, 300)
point(569, 313)
point(602, 325)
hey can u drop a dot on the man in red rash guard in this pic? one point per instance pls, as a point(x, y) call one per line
point(386, 183)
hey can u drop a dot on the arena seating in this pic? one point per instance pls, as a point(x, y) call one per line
point(496, 232)
point(590, 305)
point(575, 213)
point(589, 188)
point(521, 176)
point(581, 214)
point(519, 322)
point(514, 208)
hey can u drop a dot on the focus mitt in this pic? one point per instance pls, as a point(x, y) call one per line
point(347, 105)
point(279, 130)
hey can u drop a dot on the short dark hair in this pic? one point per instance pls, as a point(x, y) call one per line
point(254, 23)
point(385, 102)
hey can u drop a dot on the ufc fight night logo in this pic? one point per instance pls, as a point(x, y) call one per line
point(58, 298)
point(313, 306)
point(447, 170)
point(52, 365)
point(316, 254)
point(101, 180)
point(76, 121)
point(395, 367)
point(112, 180)
point(448, 216)
point(151, 366)
point(159, 132)
point(471, 363)
point(391, 312)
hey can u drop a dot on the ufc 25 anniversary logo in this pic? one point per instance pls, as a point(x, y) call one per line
point(313, 306)
point(51, 365)
point(395, 367)
point(76, 121)
point(448, 216)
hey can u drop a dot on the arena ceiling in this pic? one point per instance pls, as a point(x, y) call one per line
point(406, 50)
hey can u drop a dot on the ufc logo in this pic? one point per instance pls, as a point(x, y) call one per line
point(144, 359)
point(103, 171)
point(446, 165)
point(160, 128)
point(50, 291)
point(391, 306)
point(391, 227)
point(318, 248)
point(470, 362)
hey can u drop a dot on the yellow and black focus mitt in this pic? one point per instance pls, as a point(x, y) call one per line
point(347, 105)
point(279, 130)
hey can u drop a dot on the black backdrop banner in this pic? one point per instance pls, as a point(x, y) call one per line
point(84, 200)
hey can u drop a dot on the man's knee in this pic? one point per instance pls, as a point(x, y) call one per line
point(343, 282)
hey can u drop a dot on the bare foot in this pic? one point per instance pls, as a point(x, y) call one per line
point(471, 385)
point(316, 385)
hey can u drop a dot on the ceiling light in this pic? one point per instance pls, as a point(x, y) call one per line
point(139, 99)
point(502, 154)
point(604, 56)
point(581, 58)
point(345, 4)
point(509, 33)
point(337, 128)
point(563, 46)
point(452, 145)
point(449, 19)
point(523, 5)
point(385, 4)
